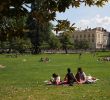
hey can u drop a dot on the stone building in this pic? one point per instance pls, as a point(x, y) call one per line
point(98, 38)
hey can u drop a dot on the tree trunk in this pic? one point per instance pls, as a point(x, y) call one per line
point(66, 50)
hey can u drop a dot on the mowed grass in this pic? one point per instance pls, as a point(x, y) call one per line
point(23, 77)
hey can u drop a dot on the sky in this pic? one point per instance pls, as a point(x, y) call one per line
point(88, 17)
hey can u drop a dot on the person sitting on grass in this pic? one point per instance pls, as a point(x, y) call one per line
point(80, 76)
point(55, 79)
point(69, 78)
point(47, 59)
point(41, 59)
point(44, 59)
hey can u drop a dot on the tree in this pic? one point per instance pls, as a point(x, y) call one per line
point(38, 33)
point(20, 45)
point(54, 42)
point(44, 5)
point(82, 44)
point(43, 11)
point(64, 29)
point(66, 41)
point(23, 45)
point(13, 33)
point(44, 46)
point(11, 27)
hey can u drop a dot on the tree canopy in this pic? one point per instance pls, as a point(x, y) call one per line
point(43, 10)
point(16, 7)
point(15, 16)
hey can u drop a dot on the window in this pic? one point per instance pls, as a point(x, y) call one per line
point(92, 35)
point(76, 36)
point(88, 35)
point(92, 40)
point(84, 35)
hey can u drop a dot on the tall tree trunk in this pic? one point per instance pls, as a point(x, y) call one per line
point(66, 50)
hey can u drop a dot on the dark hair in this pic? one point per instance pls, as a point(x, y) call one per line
point(54, 75)
point(80, 69)
point(69, 70)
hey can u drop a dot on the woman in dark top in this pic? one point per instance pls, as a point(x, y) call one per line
point(69, 78)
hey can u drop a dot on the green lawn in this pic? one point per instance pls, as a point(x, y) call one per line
point(24, 80)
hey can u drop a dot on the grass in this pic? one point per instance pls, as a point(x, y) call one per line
point(23, 77)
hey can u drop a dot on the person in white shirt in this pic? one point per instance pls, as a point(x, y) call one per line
point(55, 79)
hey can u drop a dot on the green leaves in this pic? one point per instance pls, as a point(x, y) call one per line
point(63, 4)
point(100, 3)
point(52, 5)
point(42, 10)
point(82, 44)
point(75, 3)
point(15, 7)
point(64, 26)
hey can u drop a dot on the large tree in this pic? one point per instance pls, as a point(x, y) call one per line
point(42, 11)
point(42, 7)
point(38, 33)
point(66, 42)
point(12, 36)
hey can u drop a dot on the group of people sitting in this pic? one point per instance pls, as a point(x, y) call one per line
point(70, 78)
point(46, 59)
point(104, 59)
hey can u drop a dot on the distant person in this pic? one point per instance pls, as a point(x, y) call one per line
point(47, 59)
point(41, 59)
point(69, 78)
point(94, 54)
point(80, 54)
point(80, 76)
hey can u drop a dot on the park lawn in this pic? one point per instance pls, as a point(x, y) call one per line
point(23, 77)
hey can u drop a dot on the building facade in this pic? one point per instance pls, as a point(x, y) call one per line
point(98, 38)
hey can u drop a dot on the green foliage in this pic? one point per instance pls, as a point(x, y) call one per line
point(66, 42)
point(43, 10)
point(54, 42)
point(12, 27)
point(13, 15)
point(44, 45)
point(39, 34)
point(83, 44)
point(16, 45)
point(64, 26)
point(23, 44)
point(16, 8)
